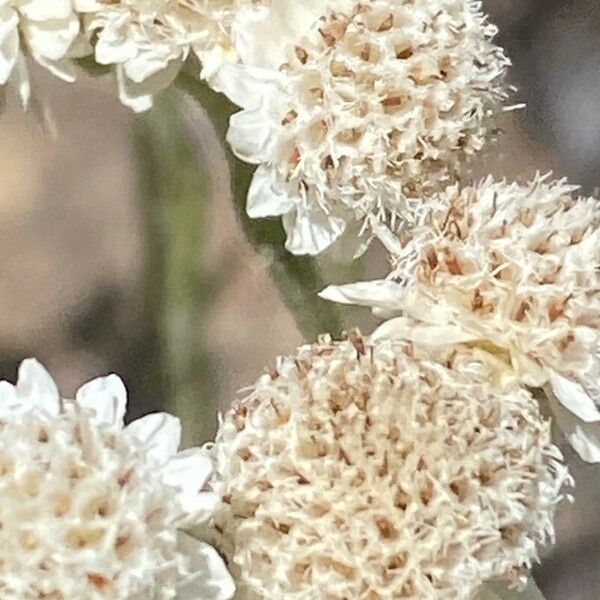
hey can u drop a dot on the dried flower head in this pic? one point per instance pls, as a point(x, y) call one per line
point(93, 510)
point(351, 107)
point(148, 40)
point(514, 268)
point(45, 30)
point(362, 470)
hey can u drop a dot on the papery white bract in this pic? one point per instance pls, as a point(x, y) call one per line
point(46, 30)
point(513, 268)
point(372, 469)
point(356, 108)
point(92, 509)
point(149, 40)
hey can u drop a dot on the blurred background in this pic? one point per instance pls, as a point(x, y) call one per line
point(86, 283)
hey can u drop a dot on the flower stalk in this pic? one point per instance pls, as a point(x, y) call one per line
point(178, 289)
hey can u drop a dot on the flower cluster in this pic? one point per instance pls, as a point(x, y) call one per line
point(414, 463)
point(513, 268)
point(146, 40)
point(47, 31)
point(363, 469)
point(358, 107)
point(149, 41)
point(93, 510)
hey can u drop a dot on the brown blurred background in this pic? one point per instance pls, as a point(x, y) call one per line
point(76, 283)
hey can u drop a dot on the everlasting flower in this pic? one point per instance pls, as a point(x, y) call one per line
point(369, 470)
point(148, 40)
point(350, 108)
point(46, 30)
point(515, 269)
point(91, 509)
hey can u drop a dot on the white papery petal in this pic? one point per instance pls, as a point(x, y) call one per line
point(106, 397)
point(583, 437)
point(209, 579)
point(51, 39)
point(265, 198)
point(63, 69)
point(129, 94)
point(113, 45)
point(311, 233)
point(9, 43)
point(21, 80)
point(189, 471)
point(8, 398)
point(36, 389)
point(402, 328)
point(143, 66)
point(248, 137)
point(573, 396)
point(245, 86)
point(159, 433)
point(291, 21)
point(45, 10)
point(379, 293)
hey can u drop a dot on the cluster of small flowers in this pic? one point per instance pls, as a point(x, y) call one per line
point(147, 41)
point(353, 110)
point(411, 464)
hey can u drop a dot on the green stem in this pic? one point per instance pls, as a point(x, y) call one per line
point(297, 277)
point(177, 294)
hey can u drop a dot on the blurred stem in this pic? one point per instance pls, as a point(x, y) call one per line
point(175, 201)
point(297, 277)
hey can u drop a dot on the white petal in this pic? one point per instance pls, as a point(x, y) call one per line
point(36, 389)
point(138, 96)
point(311, 232)
point(9, 43)
point(583, 437)
point(20, 79)
point(428, 335)
point(573, 396)
point(379, 293)
point(262, 37)
point(187, 471)
point(210, 579)
point(129, 94)
point(63, 69)
point(586, 443)
point(107, 398)
point(45, 10)
point(159, 433)
point(51, 40)
point(249, 135)
point(143, 66)
point(8, 398)
point(245, 86)
point(265, 197)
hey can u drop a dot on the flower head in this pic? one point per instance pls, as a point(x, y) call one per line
point(148, 40)
point(91, 509)
point(42, 29)
point(370, 470)
point(353, 108)
point(514, 268)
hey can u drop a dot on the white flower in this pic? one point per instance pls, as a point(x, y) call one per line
point(351, 108)
point(44, 29)
point(365, 469)
point(149, 40)
point(514, 268)
point(92, 509)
